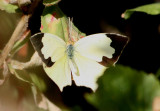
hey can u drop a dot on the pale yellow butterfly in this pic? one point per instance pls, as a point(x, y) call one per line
point(83, 61)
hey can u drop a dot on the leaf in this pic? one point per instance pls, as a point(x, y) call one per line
point(27, 97)
point(74, 108)
point(39, 82)
point(125, 89)
point(55, 22)
point(29, 77)
point(15, 92)
point(19, 44)
point(158, 73)
point(5, 5)
point(152, 9)
point(50, 2)
point(20, 74)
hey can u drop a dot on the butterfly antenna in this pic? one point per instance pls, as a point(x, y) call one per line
point(70, 28)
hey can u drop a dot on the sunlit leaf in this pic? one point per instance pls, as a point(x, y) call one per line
point(50, 2)
point(55, 22)
point(5, 5)
point(75, 108)
point(152, 9)
point(125, 89)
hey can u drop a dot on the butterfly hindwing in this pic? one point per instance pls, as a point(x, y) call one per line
point(89, 71)
point(60, 72)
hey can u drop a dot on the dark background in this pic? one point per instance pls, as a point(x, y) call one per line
point(91, 17)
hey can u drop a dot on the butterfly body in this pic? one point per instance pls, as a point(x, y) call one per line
point(70, 51)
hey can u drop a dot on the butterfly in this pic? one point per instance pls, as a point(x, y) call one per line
point(83, 61)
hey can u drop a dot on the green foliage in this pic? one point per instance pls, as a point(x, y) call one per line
point(54, 21)
point(19, 44)
point(152, 9)
point(50, 2)
point(5, 5)
point(74, 108)
point(28, 77)
point(124, 89)
point(158, 74)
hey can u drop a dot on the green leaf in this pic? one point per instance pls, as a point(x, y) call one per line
point(50, 2)
point(4, 5)
point(20, 74)
point(29, 77)
point(152, 9)
point(19, 44)
point(74, 108)
point(124, 89)
point(55, 22)
point(158, 73)
point(39, 82)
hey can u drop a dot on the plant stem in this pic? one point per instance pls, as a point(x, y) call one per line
point(19, 29)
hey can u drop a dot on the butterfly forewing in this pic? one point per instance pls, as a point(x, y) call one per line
point(36, 41)
point(118, 43)
point(49, 47)
point(95, 47)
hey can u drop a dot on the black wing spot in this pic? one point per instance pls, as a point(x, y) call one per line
point(118, 43)
point(36, 41)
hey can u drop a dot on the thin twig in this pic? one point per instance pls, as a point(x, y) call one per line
point(20, 27)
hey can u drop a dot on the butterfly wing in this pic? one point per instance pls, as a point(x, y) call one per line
point(95, 47)
point(94, 52)
point(118, 43)
point(89, 71)
point(60, 72)
point(49, 47)
point(104, 48)
point(52, 52)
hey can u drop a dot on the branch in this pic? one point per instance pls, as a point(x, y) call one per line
point(19, 29)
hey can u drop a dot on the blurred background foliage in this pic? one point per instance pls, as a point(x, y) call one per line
point(133, 85)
